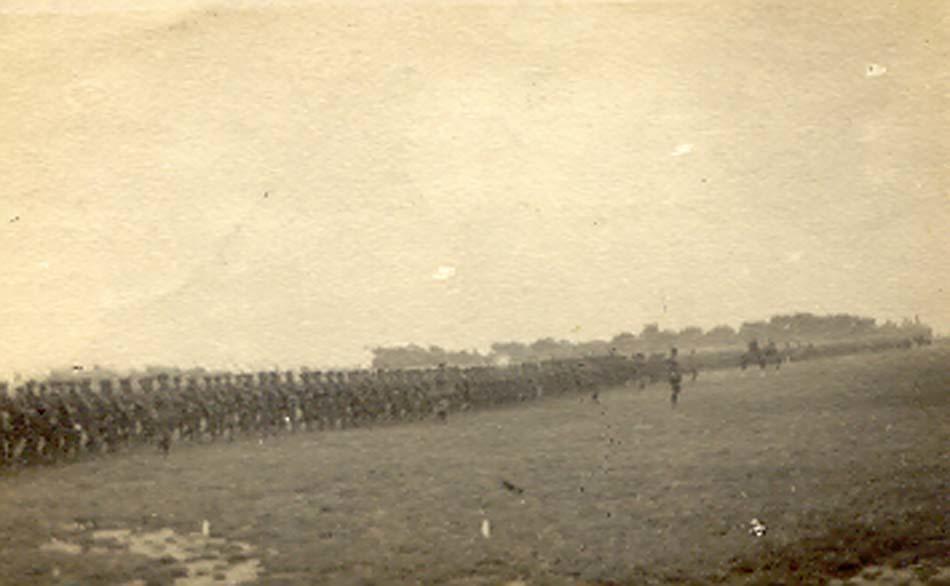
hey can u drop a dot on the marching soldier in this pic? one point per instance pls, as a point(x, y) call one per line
point(326, 399)
point(65, 443)
point(291, 401)
point(145, 410)
point(111, 420)
point(307, 401)
point(45, 424)
point(165, 422)
point(167, 415)
point(191, 407)
point(772, 353)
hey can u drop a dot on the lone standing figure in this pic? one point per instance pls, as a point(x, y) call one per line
point(675, 376)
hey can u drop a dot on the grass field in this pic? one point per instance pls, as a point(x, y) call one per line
point(844, 460)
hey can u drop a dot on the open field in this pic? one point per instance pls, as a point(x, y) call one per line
point(844, 460)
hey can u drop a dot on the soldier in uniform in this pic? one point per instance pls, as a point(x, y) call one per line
point(6, 427)
point(352, 405)
point(366, 391)
point(399, 409)
point(464, 389)
point(34, 424)
point(235, 392)
point(79, 413)
point(146, 410)
point(279, 403)
point(48, 424)
point(218, 404)
point(402, 402)
point(342, 403)
point(343, 391)
point(65, 444)
point(225, 399)
point(389, 387)
point(183, 409)
point(123, 405)
point(249, 405)
point(165, 422)
point(18, 425)
point(97, 419)
point(324, 401)
point(190, 408)
point(169, 418)
point(309, 400)
point(265, 404)
point(110, 416)
point(772, 353)
point(422, 405)
point(291, 401)
point(675, 376)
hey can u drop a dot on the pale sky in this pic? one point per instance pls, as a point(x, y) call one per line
point(292, 183)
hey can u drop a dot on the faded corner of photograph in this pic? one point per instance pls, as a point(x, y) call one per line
point(474, 293)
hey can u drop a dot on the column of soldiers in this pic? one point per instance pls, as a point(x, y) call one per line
point(43, 422)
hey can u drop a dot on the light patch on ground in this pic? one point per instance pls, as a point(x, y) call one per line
point(206, 560)
point(56, 545)
point(875, 70)
point(916, 575)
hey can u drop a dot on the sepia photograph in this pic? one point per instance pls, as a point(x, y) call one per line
point(474, 292)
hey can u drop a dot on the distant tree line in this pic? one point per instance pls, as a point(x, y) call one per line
point(790, 329)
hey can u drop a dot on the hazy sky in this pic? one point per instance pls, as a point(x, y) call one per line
point(290, 183)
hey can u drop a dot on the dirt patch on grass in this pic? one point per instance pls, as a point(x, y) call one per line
point(193, 559)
